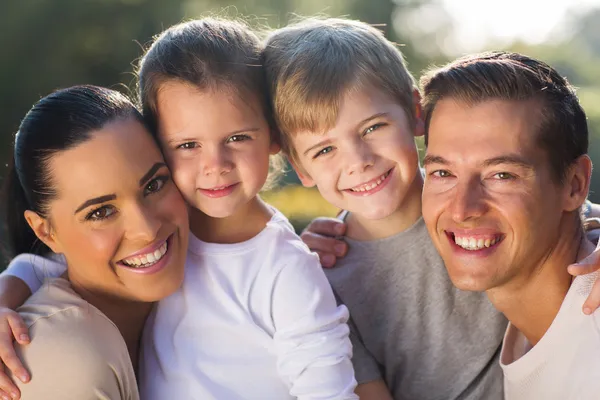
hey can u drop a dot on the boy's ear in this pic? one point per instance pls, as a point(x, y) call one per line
point(577, 183)
point(304, 178)
point(419, 122)
point(275, 147)
point(42, 229)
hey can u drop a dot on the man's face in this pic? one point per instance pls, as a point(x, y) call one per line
point(490, 202)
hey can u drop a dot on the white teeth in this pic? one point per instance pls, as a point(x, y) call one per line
point(470, 243)
point(148, 259)
point(370, 186)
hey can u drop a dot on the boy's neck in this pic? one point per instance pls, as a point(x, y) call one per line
point(405, 216)
point(243, 225)
point(532, 301)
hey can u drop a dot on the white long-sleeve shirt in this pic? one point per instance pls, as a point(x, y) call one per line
point(565, 363)
point(253, 320)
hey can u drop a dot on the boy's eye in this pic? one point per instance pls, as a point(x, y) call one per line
point(155, 185)
point(237, 138)
point(100, 213)
point(373, 128)
point(187, 145)
point(324, 150)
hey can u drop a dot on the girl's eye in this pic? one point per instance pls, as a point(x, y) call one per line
point(324, 150)
point(187, 145)
point(373, 128)
point(237, 138)
point(100, 213)
point(155, 185)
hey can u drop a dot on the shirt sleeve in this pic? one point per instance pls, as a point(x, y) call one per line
point(33, 269)
point(311, 335)
point(366, 367)
point(70, 357)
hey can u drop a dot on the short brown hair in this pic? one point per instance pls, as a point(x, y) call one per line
point(311, 65)
point(563, 131)
point(209, 53)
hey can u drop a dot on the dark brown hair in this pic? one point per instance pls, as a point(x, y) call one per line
point(562, 129)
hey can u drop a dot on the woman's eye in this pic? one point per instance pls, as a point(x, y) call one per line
point(373, 128)
point(188, 145)
point(325, 150)
point(155, 185)
point(237, 138)
point(100, 213)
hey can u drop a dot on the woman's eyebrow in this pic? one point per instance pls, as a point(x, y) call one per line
point(96, 200)
point(151, 172)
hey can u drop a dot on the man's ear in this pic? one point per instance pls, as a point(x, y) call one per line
point(42, 229)
point(577, 183)
point(419, 122)
point(303, 176)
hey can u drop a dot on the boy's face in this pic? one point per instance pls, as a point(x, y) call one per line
point(368, 162)
point(490, 202)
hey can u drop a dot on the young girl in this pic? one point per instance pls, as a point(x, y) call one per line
point(255, 317)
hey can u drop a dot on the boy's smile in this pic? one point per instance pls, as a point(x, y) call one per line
point(367, 163)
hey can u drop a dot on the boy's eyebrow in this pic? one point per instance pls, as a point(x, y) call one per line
point(321, 143)
point(96, 200)
point(151, 172)
point(372, 117)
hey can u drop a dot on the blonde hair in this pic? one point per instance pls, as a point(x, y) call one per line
point(312, 64)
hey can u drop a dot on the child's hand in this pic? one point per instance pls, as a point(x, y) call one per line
point(320, 236)
point(11, 327)
point(588, 265)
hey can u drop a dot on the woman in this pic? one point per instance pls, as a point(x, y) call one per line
point(89, 183)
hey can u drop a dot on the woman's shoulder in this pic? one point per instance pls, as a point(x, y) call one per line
point(74, 347)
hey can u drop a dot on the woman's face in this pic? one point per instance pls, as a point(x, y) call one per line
point(118, 218)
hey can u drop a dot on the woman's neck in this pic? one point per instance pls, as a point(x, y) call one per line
point(243, 225)
point(128, 316)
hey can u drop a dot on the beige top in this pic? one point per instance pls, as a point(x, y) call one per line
point(76, 352)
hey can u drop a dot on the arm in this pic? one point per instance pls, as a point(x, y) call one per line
point(375, 390)
point(17, 283)
point(320, 237)
point(311, 335)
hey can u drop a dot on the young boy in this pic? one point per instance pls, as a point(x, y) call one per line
point(348, 112)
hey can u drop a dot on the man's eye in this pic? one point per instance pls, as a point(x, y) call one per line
point(504, 176)
point(441, 173)
point(324, 150)
point(187, 146)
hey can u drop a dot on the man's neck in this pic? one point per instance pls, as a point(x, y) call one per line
point(532, 299)
point(405, 216)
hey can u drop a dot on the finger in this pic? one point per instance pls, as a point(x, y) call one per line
point(326, 226)
point(327, 260)
point(8, 390)
point(592, 303)
point(324, 244)
point(584, 267)
point(19, 329)
point(12, 362)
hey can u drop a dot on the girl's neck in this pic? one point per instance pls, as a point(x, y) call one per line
point(243, 225)
point(128, 316)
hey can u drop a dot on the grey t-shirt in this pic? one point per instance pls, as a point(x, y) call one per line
point(411, 327)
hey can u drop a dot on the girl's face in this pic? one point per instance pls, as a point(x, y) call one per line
point(118, 218)
point(217, 145)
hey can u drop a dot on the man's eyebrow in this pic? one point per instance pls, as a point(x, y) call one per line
point(151, 172)
point(508, 159)
point(96, 200)
point(433, 159)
